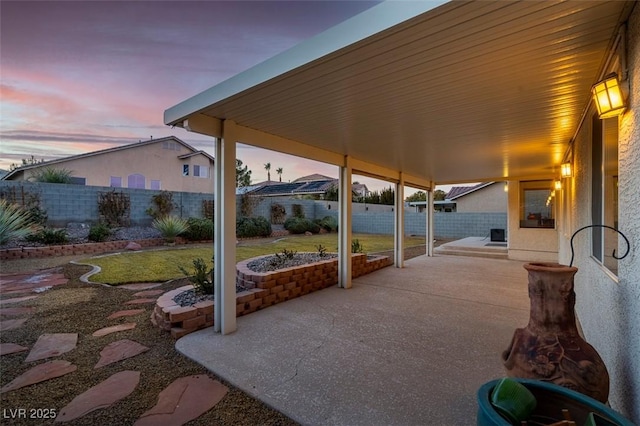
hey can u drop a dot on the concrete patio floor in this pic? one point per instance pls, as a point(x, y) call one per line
point(404, 346)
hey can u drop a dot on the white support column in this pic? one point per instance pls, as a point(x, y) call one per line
point(398, 231)
point(225, 242)
point(429, 225)
point(344, 225)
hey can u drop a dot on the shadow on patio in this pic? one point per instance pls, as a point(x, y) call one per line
point(404, 346)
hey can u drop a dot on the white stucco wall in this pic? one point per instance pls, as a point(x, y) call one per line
point(608, 307)
point(490, 199)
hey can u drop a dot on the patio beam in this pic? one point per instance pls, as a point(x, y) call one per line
point(344, 224)
point(398, 224)
point(225, 221)
point(203, 124)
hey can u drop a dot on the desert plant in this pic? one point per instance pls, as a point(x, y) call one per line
point(52, 175)
point(198, 229)
point(114, 208)
point(252, 227)
point(356, 247)
point(15, 222)
point(170, 227)
point(279, 260)
point(322, 250)
point(278, 213)
point(201, 279)
point(163, 205)
point(297, 225)
point(99, 232)
point(297, 211)
point(207, 209)
point(49, 236)
point(328, 223)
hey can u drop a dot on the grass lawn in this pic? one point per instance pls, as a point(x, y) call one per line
point(163, 264)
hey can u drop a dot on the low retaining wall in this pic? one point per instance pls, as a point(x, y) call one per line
point(73, 249)
point(263, 290)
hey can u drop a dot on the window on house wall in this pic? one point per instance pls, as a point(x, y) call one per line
point(171, 145)
point(155, 184)
point(135, 181)
point(115, 182)
point(604, 190)
point(200, 171)
point(185, 170)
point(78, 180)
point(537, 204)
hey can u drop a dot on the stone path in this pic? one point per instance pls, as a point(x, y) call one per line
point(185, 399)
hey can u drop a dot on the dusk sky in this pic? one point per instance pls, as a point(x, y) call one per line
point(79, 76)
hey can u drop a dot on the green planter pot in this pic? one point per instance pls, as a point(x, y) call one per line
point(551, 399)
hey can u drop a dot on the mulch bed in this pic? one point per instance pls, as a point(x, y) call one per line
point(82, 308)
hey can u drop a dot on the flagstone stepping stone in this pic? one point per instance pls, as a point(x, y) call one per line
point(140, 286)
point(113, 329)
point(15, 311)
point(127, 313)
point(11, 348)
point(11, 324)
point(16, 300)
point(139, 301)
point(118, 351)
point(40, 373)
point(148, 293)
point(185, 399)
point(102, 395)
point(49, 345)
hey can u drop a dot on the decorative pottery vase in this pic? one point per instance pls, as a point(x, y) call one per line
point(549, 348)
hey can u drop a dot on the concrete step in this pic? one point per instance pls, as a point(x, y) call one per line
point(475, 252)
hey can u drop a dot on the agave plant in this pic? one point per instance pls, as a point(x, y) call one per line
point(170, 227)
point(14, 222)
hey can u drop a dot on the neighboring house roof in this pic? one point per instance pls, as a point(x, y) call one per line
point(315, 176)
point(460, 191)
point(301, 186)
point(108, 150)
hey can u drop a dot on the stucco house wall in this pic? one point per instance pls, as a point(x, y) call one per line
point(490, 199)
point(528, 244)
point(160, 162)
point(608, 306)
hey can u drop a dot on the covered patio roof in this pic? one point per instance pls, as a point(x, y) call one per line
point(443, 93)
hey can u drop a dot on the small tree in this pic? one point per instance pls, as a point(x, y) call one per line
point(267, 167)
point(243, 175)
point(279, 172)
point(51, 175)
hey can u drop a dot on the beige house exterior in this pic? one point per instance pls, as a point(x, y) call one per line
point(483, 198)
point(159, 164)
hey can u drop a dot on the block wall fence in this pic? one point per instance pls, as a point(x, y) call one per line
point(75, 203)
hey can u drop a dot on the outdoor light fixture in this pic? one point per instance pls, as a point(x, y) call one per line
point(608, 97)
point(506, 187)
point(557, 185)
point(565, 170)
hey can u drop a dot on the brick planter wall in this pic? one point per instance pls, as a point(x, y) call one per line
point(73, 249)
point(264, 290)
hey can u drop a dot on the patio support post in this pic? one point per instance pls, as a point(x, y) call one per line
point(429, 217)
point(225, 231)
point(398, 231)
point(344, 225)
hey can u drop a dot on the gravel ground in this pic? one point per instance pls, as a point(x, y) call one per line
point(82, 308)
point(272, 263)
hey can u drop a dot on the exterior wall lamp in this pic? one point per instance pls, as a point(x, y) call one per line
point(557, 185)
point(608, 97)
point(565, 170)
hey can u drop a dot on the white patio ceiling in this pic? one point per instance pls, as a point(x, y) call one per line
point(458, 92)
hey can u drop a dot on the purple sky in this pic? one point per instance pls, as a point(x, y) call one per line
point(82, 76)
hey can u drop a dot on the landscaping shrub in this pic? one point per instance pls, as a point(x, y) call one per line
point(278, 213)
point(198, 229)
point(14, 222)
point(297, 211)
point(49, 236)
point(297, 225)
point(252, 227)
point(202, 279)
point(99, 232)
point(328, 223)
point(356, 247)
point(163, 205)
point(170, 227)
point(114, 208)
point(52, 175)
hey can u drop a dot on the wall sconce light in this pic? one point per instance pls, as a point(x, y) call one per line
point(565, 170)
point(557, 185)
point(608, 97)
point(506, 187)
